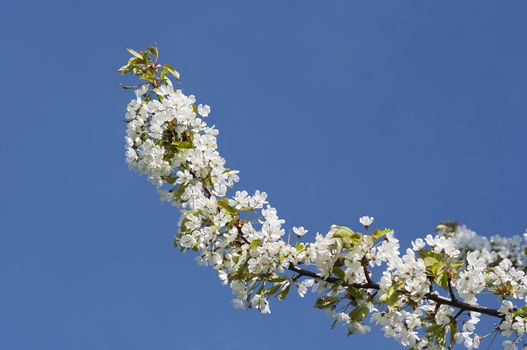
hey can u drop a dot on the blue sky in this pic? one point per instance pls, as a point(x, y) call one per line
point(411, 111)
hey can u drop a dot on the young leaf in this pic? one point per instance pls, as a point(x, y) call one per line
point(453, 331)
point(224, 203)
point(430, 261)
point(255, 244)
point(379, 233)
point(338, 272)
point(284, 293)
point(326, 302)
point(183, 144)
point(359, 313)
point(152, 50)
point(134, 53)
point(520, 311)
point(171, 70)
point(273, 289)
point(179, 192)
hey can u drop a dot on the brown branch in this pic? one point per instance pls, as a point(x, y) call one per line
point(440, 300)
point(370, 284)
point(451, 290)
point(464, 306)
point(332, 279)
point(367, 272)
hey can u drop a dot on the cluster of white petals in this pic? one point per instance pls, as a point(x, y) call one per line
point(242, 237)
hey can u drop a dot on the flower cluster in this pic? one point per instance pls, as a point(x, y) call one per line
point(426, 297)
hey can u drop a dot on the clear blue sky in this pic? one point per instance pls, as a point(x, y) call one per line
point(411, 111)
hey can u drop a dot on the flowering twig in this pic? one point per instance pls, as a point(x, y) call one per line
point(168, 141)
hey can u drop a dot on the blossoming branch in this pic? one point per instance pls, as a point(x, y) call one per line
point(425, 297)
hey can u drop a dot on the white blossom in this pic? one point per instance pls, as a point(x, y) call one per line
point(366, 221)
point(243, 238)
point(203, 110)
point(299, 231)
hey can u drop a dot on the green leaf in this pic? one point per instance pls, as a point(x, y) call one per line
point(276, 279)
point(336, 285)
point(438, 332)
point(392, 300)
point(243, 208)
point(391, 296)
point(339, 272)
point(430, 260)
point(342, 231)
point(134, 53)
point(183, 144)
point(224, 203)
point(326, 302)
point(520, 311)
point(284, 293)
point(379, 233)
point(179, 192)
point(163, 73)
point(442, 280)
point(453, 331)
point(273, 289)
point(129, 66)
point(255, 244)
point(152, 50)
point(425, 253)
point(334, 323)
point(447, 227)
point(433, 329)
point(171, 70)
point(355, 293)
point(347, 236)
point(241, 271)
point(441, 339)
point(452, 225)
point(148, 76)
point(129, 87)
point(123, 69)
point(260, 290)
point(457, 263)
point(359, 313)
point(186, 214)
point(437, 268)
point(434, 262)
point(170, 180)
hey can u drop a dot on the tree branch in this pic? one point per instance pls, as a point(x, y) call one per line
point(370, 284)
point(429, 296)
point(451, 290)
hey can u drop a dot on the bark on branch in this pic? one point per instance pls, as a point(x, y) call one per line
point(429, 296)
